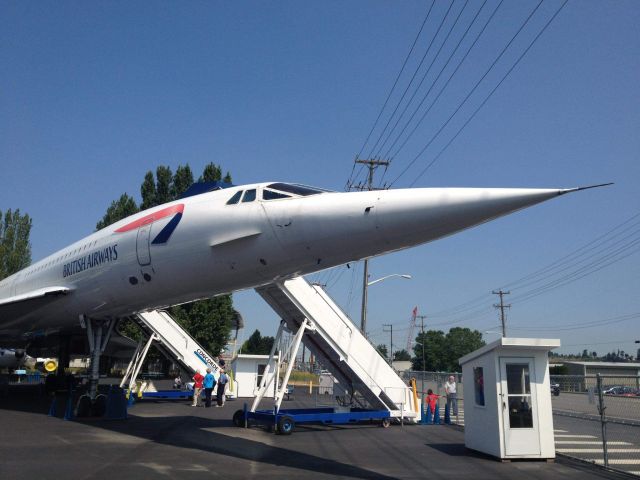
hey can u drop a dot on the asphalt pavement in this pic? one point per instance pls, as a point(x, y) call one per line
point(171, 439)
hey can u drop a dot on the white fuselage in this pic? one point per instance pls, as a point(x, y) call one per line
point(201, 246)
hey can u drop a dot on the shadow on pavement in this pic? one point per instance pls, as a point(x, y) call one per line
point(196, 436)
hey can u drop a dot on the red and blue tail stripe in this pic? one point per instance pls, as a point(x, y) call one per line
point(167, 231)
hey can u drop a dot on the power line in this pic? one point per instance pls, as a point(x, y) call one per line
point(601, 244)
point(445, 85)
point(392, 89)
point(424, 76)
point(581, 325)
point(486, 99)
point(412, 78)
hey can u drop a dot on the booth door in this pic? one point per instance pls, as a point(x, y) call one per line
point(519, 408)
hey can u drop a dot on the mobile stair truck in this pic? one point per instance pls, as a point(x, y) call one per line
point(308, 312)
point(174, 343)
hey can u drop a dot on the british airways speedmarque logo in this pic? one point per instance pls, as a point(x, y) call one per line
point(167, 231)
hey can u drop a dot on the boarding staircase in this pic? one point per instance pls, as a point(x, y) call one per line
point(340, 347)
point(172, 341)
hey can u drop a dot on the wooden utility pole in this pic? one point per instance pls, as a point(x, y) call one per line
point(502, 306)
point(371, 165)
point(384, 329)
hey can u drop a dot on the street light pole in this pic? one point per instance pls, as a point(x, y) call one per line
point(365, 294)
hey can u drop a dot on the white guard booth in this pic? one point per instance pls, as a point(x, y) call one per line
point(247, 373)
point(507, 399)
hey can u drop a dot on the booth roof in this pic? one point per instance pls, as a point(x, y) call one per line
point(530, 343)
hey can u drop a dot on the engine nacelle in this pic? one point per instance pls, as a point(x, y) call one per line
point(50, 365)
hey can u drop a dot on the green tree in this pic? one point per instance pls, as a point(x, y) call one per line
point(182, 180)
point(164, 180)
point(256, 344)
point(213, 173)
point(119, 209)
point(459, 342)
point(148, 191)
point(382, 350)
point(207, 321)
point(441, 352)
point(15, 248)
point(401, 355)
point(434, 348)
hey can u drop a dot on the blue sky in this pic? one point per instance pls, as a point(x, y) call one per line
point(93, 95)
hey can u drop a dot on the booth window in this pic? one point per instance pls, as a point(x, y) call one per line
point(261, 369)
point(519, 395)
point(478, 385)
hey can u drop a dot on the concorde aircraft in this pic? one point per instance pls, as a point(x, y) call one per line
point(218, 240)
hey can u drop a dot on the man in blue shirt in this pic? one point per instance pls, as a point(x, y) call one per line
point(208, 383)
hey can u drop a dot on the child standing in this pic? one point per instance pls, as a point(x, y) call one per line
point(431, 400)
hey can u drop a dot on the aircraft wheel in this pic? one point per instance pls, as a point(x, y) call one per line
point(238, 418)
point(385, 422)
point(286, 425)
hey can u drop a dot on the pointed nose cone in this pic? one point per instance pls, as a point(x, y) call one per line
point(409, 217)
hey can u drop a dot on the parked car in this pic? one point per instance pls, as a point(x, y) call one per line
point(620, 391)
point(555, 389)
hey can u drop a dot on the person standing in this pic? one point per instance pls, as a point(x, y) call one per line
point(222, 384)
point(208, 383)
point(431, 400)
point(452, 395)
point(197, 388)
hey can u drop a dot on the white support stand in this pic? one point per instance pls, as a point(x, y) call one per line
point(291, 354)
point(269, 375)
point(136, 363)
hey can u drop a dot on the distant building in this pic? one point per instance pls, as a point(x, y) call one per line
point(401, 365)
point(603, 368)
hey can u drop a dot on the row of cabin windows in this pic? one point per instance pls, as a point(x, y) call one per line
point(62, 257)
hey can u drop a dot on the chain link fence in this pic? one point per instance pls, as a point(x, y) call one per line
point(597, 419)
point(435, 381)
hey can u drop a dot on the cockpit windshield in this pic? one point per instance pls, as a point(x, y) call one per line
point(297, 189)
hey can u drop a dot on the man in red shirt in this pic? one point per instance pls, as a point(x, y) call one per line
point(197, 388)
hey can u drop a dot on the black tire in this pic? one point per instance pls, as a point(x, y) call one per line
point(99, 406)
point(83, 408)
point(385, 423)
point(286, 424)
point(238, 418)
